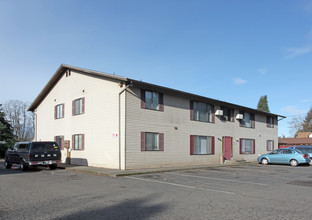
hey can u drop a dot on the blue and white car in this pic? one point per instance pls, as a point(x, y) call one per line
point(285, 156)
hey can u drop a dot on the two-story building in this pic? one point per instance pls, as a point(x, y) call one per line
point(122, 123)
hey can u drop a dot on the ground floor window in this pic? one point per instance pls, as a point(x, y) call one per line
point(201, 145)
point(270, 145)
point(247, 146)
point(152, 141)
point(60, 141)
point(78, 142)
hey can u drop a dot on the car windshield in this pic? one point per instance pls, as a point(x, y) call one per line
point(44, 147)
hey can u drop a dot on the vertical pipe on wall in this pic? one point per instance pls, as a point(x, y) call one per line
point(119, 123)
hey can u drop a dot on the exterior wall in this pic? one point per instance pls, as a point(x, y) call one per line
point(98, 123)
point(177, 127)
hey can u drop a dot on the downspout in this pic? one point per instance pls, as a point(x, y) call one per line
point(120, 124)
point(36, 126)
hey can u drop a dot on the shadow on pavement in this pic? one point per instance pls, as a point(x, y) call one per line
point(131, 209)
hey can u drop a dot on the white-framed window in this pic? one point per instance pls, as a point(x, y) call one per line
point(78, 106)
point(152, 141)
point(60, 141)
point(152, 100)
point(78, 142)
point(59, 111)
point(228, 114)
point(270, 145)
point(270, 122)
point(248, 120)
point(201, 145)
point(247, 146)
point(201, 111)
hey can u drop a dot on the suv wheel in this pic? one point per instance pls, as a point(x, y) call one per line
point(23, 165)
point(7, 164)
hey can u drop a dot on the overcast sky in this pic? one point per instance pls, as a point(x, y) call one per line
point(234, 51)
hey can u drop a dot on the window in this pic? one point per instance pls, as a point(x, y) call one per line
point(59, 111)
point(151, 141)
point(247, 146)
point(270, 122)
point(152, 100)
point(202, 145)
point(248, 120)
point(287, 151)
point(23, 148)
point(228, 114)
point(78, 142)
point(79, 106)
point(270, 145)
point(60, 141)
point(202, 112)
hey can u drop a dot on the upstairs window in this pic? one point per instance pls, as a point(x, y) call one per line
point(202, 145)
point(152, 100)
point(59, 111)
point(78, 106)
point(248, 120)
point(270, 145)
point(228, 114)
point(202, 112)
point(270, 122)
point(247, 146)
point(151, 141)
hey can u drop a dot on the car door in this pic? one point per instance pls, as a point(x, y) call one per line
point(287, 154)
point(13, 155)
point(274, 156)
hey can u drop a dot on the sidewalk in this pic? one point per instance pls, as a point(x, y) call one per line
point(118, 173)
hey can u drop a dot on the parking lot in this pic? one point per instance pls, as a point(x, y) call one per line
point(242, 192)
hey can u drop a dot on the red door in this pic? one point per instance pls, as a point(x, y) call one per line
point(227, 141)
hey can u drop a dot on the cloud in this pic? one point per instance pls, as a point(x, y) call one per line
point(238, 81)
point(297, 51)
point(263, 71)
point(293, 110)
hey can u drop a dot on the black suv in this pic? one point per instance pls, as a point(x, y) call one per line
point(33, 154)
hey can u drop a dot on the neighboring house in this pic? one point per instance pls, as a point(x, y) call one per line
point(302, 134)
point(302, 138)
point(121, 123)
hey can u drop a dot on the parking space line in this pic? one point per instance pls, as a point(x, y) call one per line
point(212, 178)
point(179, 185)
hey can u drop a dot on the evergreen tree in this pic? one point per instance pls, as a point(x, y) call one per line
point(307, 122)
point(263, 104)
point(7, 137)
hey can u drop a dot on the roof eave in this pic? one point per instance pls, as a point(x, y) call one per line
point(194, 96)
point(57, 75)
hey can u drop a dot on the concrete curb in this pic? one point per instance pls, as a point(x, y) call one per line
point(121, 173)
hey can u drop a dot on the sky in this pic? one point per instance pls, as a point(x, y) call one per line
point(235, 51)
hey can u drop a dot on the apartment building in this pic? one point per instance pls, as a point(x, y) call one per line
point(121, 123)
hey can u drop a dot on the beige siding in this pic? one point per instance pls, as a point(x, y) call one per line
point(98, 123)
point(177, 127)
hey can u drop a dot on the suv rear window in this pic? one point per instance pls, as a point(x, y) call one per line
point(44, 147)
point(305, 150)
